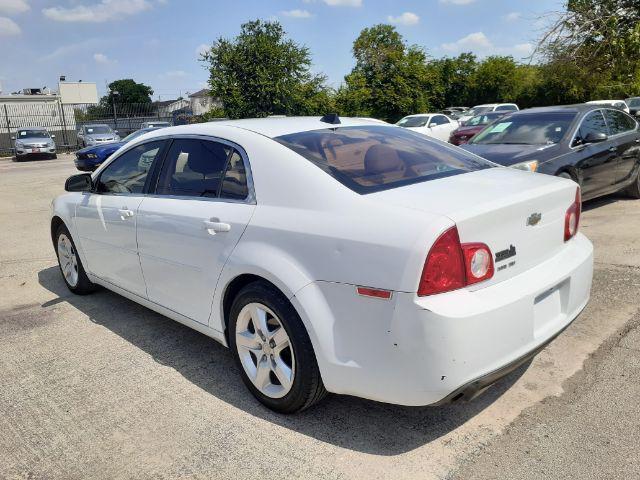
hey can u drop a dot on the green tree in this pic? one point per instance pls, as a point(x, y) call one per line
point(129, 92)
point(600, 39)
point(389, 80)
point(495, 80)
point(261, 73)
point(456, 79)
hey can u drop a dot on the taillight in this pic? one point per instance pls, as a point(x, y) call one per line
point(451, 265)
point(572, 217)
point(444, 267)
point(478, 262)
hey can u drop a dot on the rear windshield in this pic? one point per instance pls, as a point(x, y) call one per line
point(633, 102)
point(527, 129)
point(413, 121)
point(372, 158)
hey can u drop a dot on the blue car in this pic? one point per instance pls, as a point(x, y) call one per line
point(90, 158)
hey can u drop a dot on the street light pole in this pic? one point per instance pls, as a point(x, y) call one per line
point(114, 93)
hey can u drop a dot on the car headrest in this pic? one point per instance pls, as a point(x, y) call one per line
point(207, 160)
point(382, 159)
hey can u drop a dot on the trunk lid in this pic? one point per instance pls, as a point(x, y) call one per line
point(499, 207)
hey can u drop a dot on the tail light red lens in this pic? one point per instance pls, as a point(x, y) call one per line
point(444, 267)
point(572, 217)
point(451, 265)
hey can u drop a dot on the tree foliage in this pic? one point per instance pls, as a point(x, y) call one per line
point(389, 79)
point(261, 73)
point(129, 92)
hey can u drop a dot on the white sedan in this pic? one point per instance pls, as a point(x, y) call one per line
point(434, 125)
point(330, 254)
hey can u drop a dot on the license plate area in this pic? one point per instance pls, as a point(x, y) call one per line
point(549, 308)
point(35, 150)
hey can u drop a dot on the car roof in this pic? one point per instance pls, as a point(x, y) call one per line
point(277, 126)
point(32, 128)
point(577, 108)
point(96, 125)
point(605, 101)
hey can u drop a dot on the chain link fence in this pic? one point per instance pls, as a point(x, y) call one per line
point(64, 121)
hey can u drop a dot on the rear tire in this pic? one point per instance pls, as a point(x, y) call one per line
point(71, 267)
point(263, 356)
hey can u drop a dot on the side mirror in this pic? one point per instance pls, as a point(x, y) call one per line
point(13, 137)
point(81, 182)
point(637, 113)
point(595, 137)
point(53, 136)
point(115, 131)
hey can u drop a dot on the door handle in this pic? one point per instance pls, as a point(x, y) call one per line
point(125, 213)
point(613, 149)
point(212, 226)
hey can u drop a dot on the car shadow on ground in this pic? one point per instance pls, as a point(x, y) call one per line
point(344, 421)
point(605, 200)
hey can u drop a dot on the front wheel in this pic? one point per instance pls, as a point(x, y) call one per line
point(70, 264)
point(273, 350)
point(634, 190)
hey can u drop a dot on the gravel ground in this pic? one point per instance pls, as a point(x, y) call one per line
point(99, 387)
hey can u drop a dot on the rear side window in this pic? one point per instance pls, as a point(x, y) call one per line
point(128, 173)
point(234, 182)
point(593, 122)
point(619, 122)
point(419, 121)
point(193, 168)
point(373, 158)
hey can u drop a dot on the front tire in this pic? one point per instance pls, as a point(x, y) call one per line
point(634, 190)
point(70, 264)
point(273, 351)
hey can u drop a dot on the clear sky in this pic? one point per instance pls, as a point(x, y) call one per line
point(157, 41)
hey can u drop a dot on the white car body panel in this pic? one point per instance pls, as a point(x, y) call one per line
point(316, 240)
point(440, 132)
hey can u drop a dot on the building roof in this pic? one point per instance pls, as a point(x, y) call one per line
point(201, 93)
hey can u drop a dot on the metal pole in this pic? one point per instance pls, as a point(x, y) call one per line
point(6, 116)
point(115, 117)
point(64, 123)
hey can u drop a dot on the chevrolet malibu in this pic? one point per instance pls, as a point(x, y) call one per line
point(333, 255)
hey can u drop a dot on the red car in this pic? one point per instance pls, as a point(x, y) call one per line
point(473, 126)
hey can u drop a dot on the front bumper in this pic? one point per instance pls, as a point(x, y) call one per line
point(430, 350)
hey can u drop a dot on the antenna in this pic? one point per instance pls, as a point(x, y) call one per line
point(331, 118)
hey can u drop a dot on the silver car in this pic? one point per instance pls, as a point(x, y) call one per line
point(90, 135)
point(32, 142)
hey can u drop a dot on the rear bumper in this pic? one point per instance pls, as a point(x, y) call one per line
point(430, 350)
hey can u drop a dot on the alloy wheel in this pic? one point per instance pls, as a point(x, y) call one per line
point(68, 260)
point(265, 350)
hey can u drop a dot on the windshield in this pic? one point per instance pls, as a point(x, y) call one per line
point(33, 134)
point(482, 119)
point(98, 129)
point(413, 121)
point(478, 110)
point(528, 129)
point(137, 133)
point(372, 158)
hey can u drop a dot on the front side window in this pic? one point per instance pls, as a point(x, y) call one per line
point(193, 168)
point(619, 122)
point(128, 172)
point(439, 120)
point(593, 123)
point(372, 158)
point(527, 129)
